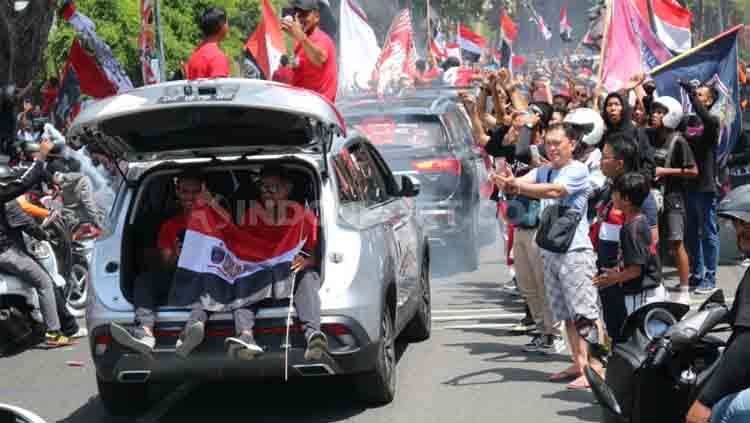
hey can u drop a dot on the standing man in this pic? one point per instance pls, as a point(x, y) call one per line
point(314, 50)
point(208, 61)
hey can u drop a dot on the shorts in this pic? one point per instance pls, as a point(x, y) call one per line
point(568, 285)
point(673, 218)
point(636, 301)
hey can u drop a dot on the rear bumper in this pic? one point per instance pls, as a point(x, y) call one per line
point(351, 351)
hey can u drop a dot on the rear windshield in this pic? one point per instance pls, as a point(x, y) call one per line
point(400, 130)
point(206, 127)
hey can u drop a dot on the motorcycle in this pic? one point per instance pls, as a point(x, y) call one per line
point(21, 322)
point(657, 374)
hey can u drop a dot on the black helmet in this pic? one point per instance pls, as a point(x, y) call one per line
point(736, 205)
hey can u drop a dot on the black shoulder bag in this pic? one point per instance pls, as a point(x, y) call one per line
point(557, 226)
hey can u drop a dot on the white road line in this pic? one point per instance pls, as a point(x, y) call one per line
point(477, 317)
point(480, 326)
point(470, 310)
point(163, 406)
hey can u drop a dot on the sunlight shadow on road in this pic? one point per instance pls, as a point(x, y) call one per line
point(498, 375)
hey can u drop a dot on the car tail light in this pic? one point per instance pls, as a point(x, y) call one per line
point(439, 165)
point(336, 329)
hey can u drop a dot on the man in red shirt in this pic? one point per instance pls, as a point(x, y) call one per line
point(284, 73)
point(316, 68)
point(208, 61)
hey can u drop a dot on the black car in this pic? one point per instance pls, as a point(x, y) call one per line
point(428, 135)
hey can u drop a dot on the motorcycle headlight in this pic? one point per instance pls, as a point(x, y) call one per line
point(657, 322)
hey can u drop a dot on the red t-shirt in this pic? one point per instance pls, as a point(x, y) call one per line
point(169, 231)
point(323, 80)
point(259, 220)
point(283, 74)
point(207, 61)
point(50, 97)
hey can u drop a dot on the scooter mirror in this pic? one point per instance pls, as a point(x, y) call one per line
point(603, 393)
point(717, 298)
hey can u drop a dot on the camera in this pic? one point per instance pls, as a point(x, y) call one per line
point(287, 11)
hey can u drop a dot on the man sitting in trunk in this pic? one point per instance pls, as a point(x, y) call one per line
point(153, 288)
point(272, 252)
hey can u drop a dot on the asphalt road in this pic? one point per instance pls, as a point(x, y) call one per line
point(471, 370)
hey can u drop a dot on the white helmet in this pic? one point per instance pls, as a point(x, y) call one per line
point(590, 121)
point(674, 111)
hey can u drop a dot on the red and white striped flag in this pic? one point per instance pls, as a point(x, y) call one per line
point(471, 43)
point(399, 56)
point(672, 22)
point(566, 30)
point(266, 44)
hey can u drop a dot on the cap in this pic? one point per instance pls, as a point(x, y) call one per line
point(306, 4)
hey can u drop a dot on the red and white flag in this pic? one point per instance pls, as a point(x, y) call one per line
point(566, 30)
point(399, 56)
point(453, 50)
point(546, 33)
point(224, 266)
point(358, 48)
point(471, 43)
point(266, 44)
point(508, 33)
point(672, 22)
point(99, 72)
point(150, 66)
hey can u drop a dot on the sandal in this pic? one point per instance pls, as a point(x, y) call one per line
point(579, 384)
point(567, 374)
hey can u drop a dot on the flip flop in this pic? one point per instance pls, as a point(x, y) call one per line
point(565, 375)
point(580, 384)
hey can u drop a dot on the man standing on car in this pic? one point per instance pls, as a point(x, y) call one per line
point(208, 61)
point(314, 51)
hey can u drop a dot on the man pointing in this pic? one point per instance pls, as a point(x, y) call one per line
point(314, 50)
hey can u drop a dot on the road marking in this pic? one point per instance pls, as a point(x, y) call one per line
point(471, 310)
point(163, 406)
point(478, 317)
point(480, 326)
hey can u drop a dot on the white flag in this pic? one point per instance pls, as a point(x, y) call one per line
point(359, 50)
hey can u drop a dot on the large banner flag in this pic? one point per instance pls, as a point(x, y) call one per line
point(713, 62)
point(437, 37)
point(471, 43)
point(266, 44)
point(399, 56)
point(631, 47)
point(508, 33)
point(358, 47)
point(103, 60)
point(566, 30)
point(223, 266)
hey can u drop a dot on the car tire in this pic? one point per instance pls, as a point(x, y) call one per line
point(123, 399)
point(470, 248)
point(420, 327)
point(378, 387)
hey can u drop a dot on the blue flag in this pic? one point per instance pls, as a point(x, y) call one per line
point(713, 62)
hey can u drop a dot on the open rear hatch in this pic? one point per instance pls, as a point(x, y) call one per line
point(208, 118)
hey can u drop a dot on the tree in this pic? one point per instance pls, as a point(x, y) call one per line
point(23, 39)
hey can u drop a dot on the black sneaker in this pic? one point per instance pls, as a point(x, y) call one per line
point(534, 345)
point(191, 337)
point(137, 340)
point(243, 347)
point(317, 345)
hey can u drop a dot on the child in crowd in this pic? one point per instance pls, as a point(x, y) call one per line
point(639, 271)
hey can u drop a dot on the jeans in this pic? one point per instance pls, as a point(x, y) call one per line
point(702, 237)
point(20, 264)
point(733, 408)
point(306, 303)
point(150, 290)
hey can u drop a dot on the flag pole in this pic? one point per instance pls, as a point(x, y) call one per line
point(429, 26)
point(605, 40)
point(160, 36)
point(700, 46)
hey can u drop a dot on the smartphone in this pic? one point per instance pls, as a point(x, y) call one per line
point(501, 164)
point(287, 11)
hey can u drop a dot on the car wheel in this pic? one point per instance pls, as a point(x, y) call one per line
point(78, 287)
point(123, 399)
point(378, 387)
point(420, 327)
point(470, 250)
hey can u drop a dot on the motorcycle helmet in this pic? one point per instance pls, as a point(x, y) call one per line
point(31, 147)
point(674, 114)
point(736, 205)
point(590, 122)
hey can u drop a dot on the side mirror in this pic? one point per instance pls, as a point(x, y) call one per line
point(603, 394)
point(410, 186)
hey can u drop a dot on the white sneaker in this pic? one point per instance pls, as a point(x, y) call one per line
point(552, 344)
point(681, 297)
point(81, 333)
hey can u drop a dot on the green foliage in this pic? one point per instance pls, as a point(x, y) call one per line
point(118, 23)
